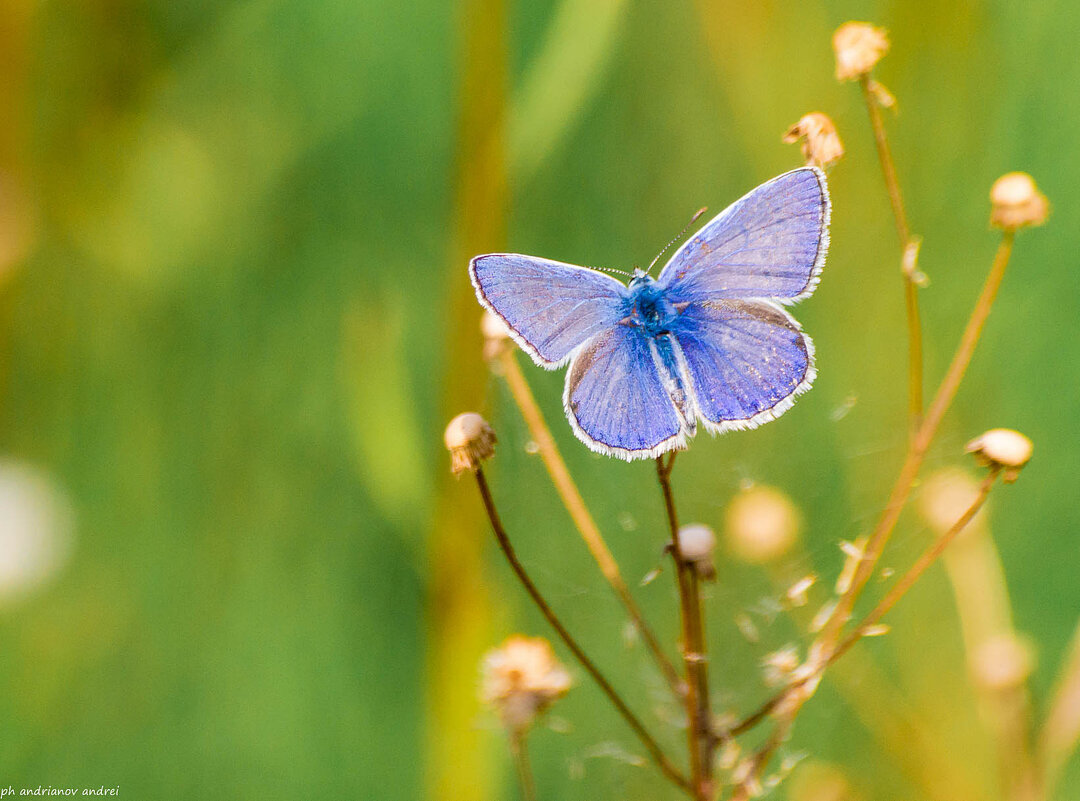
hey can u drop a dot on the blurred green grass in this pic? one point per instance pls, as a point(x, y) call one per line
point(223, 342)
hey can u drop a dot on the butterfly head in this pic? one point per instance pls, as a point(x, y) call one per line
point(648, 306)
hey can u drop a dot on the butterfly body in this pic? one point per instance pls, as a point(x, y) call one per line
point(707, 340)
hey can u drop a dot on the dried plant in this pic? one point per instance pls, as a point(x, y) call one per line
point(762, 524)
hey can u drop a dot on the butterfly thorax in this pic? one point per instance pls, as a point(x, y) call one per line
point(648, 307)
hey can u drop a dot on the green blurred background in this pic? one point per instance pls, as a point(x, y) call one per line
point(235, 317)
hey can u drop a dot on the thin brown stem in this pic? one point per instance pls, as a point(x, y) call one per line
point(920, 444)
point(579, 512)
point(750, 787)
point(914, 573)
point(909, 248)
point(655, 751)
point(888, 169)
point(791, 699)
point(521, 761)
point(700, 738)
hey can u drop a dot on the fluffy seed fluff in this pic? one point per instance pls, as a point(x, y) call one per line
point(858, 47)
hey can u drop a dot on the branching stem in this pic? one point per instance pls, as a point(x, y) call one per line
point(909, 249)
point(655, 751)
point(920, 444)
point(579, 512)
point(791, 699)
point(700, 737)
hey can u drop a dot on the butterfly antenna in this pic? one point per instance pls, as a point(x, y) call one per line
point(679, 236)
point(612, 270)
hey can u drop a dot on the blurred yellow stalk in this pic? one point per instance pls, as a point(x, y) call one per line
point(459, 757)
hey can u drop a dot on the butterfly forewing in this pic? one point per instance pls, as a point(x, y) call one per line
point(769, 244)
point(550, 307)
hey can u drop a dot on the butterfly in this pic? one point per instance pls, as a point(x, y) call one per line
point(708, 339)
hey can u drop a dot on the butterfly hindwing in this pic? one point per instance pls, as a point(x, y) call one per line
point(616, 400)
point(746, 360)
point(769, 244)
point(550, 307)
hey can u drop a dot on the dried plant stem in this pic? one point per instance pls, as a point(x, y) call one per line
point(830, 634)
point(579, 513)
point(790, 701)
point(655, 751)
point(521, 761)
point(700, 735)
point(909, 247)
point(920, 444)
point(750, 786)
point(914, 573)
point(912, 740)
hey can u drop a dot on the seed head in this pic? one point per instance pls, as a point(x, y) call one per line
point(1015, 202)
point(1004, 448)
point(521, 678)
point(470, 441)
point(821, 145)
point(761, 524)
point(858, 47)
point(696, 545)
point(1002, 662)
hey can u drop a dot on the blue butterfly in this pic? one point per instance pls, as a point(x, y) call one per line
point(707, 339)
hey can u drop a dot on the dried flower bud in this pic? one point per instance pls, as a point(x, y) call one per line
point(521, 678)
point(761, 524)
point(696, 544)
point(779, 665)
point(728, 755)
point(1015, 201)
point(854, 553)
point(858, 47)
point(822, 616)
point(875, 630)
point(883, 96)
point(1002, 662)
point(1004, 448)
point(945, 496)
point(496, 334)
point(747, 628)
point(470, 440)
point(796, 593)
point(821, 145)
